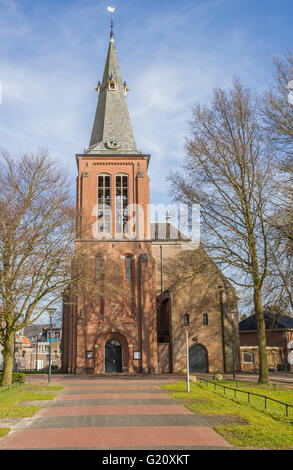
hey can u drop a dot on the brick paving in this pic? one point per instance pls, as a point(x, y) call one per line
point(114, 413)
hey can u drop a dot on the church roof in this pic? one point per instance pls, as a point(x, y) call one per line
point(112, 131)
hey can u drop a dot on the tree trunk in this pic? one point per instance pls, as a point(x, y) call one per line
point(8, 360)
point(261, 337)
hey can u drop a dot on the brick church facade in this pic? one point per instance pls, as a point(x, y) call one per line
point(130, 317)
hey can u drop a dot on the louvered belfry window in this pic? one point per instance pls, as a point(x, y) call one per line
point(121, 203)
point(104, 203)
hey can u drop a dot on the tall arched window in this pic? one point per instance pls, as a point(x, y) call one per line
point(98, 268)
point(121, 202)
point(104, 203)
point(128, 268)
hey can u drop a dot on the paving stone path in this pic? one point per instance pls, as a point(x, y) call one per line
point(114, 413)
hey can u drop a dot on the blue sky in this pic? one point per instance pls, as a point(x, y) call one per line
point(172, 54)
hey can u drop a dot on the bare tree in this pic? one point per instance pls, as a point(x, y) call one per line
point(228, 171)
point(37, 229)
point(279, 282)
point(277, 110)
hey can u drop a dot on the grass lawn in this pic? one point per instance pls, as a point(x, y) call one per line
point(278, 392)
point(264, 429)
point(25, 392)
point(4, 431)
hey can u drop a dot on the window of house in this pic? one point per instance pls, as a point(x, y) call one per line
point(248, 357)
point(128, 268)
point(121, 202)
point(205, 319)
point(104, 203)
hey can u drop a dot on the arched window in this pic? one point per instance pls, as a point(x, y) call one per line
point(128, 268)
point(104, 203)
point(121, 202)
point(205, 319)
point(98, 268)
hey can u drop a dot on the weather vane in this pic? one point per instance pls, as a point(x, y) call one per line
point(111, 10)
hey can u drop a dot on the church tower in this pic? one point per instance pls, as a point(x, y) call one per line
point(110, 322)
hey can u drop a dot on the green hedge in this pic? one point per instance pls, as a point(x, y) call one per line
point(17, 377)
point(45, 370)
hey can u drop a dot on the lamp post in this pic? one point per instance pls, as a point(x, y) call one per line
point(186, 324)
point(37, 350)
point(51, 313)
point(233, 346)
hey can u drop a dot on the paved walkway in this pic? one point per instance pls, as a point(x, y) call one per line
point(114, 413)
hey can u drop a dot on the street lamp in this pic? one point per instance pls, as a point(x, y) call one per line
point(51, 312)
point(233, 346)
point(186, 324)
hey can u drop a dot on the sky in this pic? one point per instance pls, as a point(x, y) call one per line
point(171, 53)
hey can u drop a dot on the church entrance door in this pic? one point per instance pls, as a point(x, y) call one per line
point(113, 356)
point(198, 358)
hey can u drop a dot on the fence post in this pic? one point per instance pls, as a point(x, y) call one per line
point(266, 405)
point(287, 411)
point(248, 394)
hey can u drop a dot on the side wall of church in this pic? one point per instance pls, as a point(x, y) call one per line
point(199, 296)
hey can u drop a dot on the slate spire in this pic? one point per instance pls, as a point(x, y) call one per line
point(112, 130)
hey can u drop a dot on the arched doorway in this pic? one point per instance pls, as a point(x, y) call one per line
point(113, 356)
point(198, 358)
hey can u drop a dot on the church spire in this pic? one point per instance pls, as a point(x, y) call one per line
point(112, 130)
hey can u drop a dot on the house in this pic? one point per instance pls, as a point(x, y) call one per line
point(279, 335)
point(31, 352)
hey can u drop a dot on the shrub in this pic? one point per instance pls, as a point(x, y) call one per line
point(17, 377)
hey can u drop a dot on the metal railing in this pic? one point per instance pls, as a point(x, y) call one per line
point(249, 394)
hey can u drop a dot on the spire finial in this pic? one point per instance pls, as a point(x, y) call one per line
point(111, 9)
point(112, 28)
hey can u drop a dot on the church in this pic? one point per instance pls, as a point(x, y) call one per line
point(143, 290)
